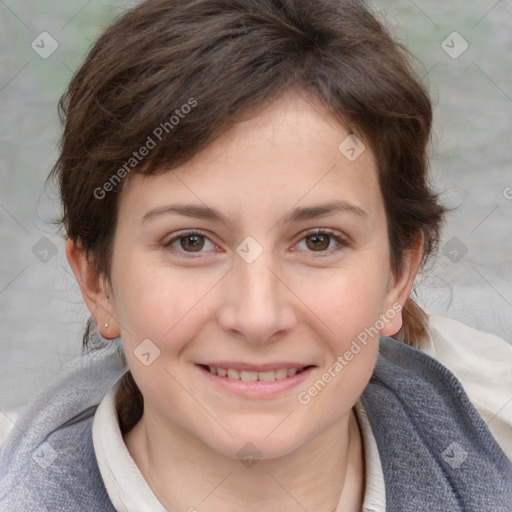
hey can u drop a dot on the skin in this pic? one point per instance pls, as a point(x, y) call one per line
point(295, 302)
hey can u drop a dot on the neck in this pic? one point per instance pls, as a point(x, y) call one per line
point(320, 474)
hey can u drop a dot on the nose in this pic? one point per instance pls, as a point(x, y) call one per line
point(256, 303)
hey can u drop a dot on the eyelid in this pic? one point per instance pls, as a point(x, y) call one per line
point(342, 240)
point(168, 240)
point(172, 237)
point(326, 231)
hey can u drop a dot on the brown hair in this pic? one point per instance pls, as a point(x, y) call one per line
point(224, 59)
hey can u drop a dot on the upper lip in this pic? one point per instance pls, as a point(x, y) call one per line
point(235, 365)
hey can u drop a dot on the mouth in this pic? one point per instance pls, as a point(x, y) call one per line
point(249, 383)
point(253, 375)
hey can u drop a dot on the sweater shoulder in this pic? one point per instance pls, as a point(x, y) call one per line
point(60, 474)
point(48, 461)
point(430, 437)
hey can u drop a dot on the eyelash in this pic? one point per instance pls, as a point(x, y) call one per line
point(183, 234)
point(342, 241)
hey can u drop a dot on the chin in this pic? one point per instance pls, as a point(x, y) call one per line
point(264, 443)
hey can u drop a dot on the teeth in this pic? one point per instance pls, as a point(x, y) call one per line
point(268, 375)
point(231, 373)
point(245, 375)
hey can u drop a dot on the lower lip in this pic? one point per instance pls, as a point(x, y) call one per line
point(256, 388)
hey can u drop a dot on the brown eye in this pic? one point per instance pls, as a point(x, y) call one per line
point(318, 242)
point(192, 243)
point(188, 244)
point(323, 242)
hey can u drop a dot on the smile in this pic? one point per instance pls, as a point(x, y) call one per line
point(246, 375)
point(254, 384)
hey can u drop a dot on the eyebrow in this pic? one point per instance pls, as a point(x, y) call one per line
point(322, 210)
point(187, 210)
point(297, 214)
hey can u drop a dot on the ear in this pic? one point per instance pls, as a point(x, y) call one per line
point(400, 287)
point(95, 290)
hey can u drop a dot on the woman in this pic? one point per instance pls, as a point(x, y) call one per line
point(246, 206)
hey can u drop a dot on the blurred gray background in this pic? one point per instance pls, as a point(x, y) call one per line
point(42, 315)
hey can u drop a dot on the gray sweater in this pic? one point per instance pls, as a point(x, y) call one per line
point(436, 452)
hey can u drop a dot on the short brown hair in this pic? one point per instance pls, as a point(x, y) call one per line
point(231, 57)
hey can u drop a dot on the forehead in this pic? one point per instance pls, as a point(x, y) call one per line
point(292, 153)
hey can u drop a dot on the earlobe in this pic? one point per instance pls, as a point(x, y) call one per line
point(95, 292)
point(401, 287)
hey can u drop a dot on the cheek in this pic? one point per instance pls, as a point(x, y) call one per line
point(346, 314)
point(156, 302)
point(167, 309)
point(347, 302)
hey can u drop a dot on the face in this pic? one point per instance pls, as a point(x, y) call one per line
point(268, 251)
